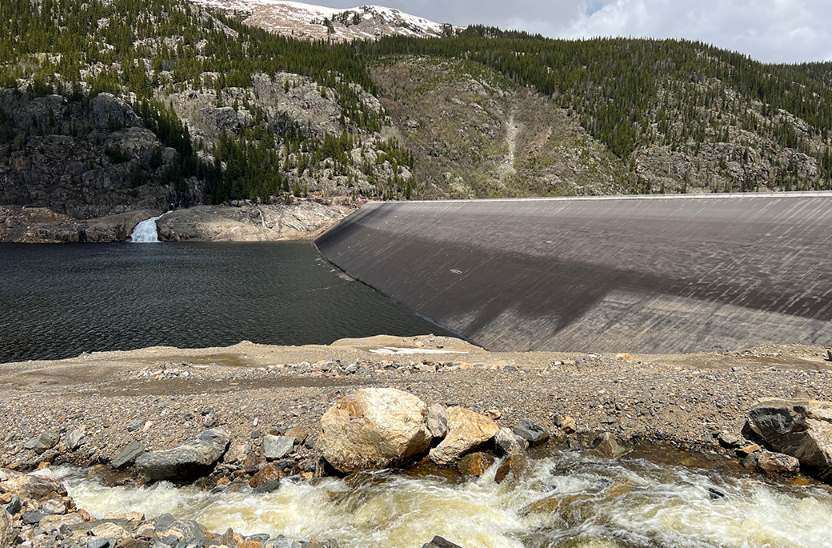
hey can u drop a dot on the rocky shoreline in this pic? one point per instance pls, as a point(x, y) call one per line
point(302, 219)
point(256, 415)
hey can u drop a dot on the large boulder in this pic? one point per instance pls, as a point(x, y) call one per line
point(466, 430)
point(799, 428)
point(188, 461)
point(374, 428)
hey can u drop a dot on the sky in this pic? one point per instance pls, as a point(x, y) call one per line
point(776, 31)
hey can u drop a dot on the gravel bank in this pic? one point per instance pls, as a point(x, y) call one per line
point(163, 396)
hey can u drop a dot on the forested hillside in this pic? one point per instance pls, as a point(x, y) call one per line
point(239, 113)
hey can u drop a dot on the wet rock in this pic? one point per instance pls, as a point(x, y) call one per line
point(438, 420)
point(127, 455)
point(266, 479)
point(530, 432)
point(776, 464)
point(374, 428)
point(46, 440)
point(606, 445)
point(567, 424)
point(799, 428)
point(186, 462)
point(180, 532)
point(277, 447)
point(466, 430)
point(508, 443)
point(747, 450)
point(475, 464)
point(440, 542)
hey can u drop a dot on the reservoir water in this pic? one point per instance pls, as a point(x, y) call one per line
point(59, 301)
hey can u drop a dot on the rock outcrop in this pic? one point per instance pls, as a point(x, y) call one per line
point(188, 461)
point(798, 428)
point(40, 225)
point(374, 428)
point(466, 430)
point(302, 220)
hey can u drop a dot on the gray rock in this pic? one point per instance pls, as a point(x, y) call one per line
point(14, 506)
point(509, 443)
point(128, 455)
point(729, 440)
point(277, 447)
point(134, 425)
point(438, 420)
point(32, 517)
point(46, 440)
point(53, 506)
point(188, 461)
point(799, 428)
point(530, 432)
point(75, 439)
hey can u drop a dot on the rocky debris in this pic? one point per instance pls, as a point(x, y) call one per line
point(277, 447)
point(186, 462)
point(466, 430)
point(6, 531)
point(798, 428)
point(440, 542)
point(374, 428)
point(438, 420)
point(127, 455)
point(75, 438)
point(729, 440)
point(530, 432)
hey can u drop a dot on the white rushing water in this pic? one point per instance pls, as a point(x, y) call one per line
point(567, 500)
point(146, 232)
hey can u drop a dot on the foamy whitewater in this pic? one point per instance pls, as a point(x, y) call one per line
point(146, 232)
point(570, 499)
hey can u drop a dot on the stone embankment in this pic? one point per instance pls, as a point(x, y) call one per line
point(241, 222)
point(251, 417)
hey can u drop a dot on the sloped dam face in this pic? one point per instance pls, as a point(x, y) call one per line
point(639, 274)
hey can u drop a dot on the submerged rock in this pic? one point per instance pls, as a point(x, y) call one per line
point(606, 445)
point(475, 464)
point(374, 428)
point(466, 430)
point(188, 461)
point(440, 542)
point(801, 429)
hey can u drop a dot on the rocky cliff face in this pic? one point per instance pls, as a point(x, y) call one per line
point(81, 157)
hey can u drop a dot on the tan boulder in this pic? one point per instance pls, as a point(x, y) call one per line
point(466, 430)
point(374, 428)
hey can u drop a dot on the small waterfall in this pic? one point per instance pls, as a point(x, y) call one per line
point(146, 232)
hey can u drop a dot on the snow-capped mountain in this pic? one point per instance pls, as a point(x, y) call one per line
point(319, 22)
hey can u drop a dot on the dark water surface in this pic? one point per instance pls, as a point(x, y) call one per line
point(58, 301)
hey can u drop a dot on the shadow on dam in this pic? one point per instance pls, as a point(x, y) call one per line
point(630, 274)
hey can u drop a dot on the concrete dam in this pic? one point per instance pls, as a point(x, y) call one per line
point(626, 274)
